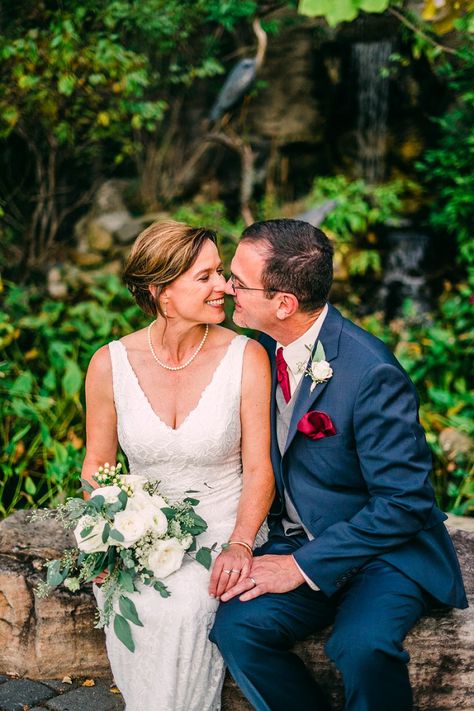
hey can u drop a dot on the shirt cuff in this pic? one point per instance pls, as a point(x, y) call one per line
point(312, 585)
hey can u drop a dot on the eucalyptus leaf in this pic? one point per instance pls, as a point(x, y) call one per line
point(86, 486)
point(111, 558)
point(126, 581)
point(168, 512)
point(117, 536)
point(162, 589)
point(129, 611)
point(123, 498)
point(204, 557)
point(96, 502)
point(123, 632)
point(319, 353)
point(54, 575)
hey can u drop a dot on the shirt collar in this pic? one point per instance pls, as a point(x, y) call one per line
point(297, 352)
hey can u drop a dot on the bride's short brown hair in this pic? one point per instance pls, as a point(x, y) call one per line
point(159, 255)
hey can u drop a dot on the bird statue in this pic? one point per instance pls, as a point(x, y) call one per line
point(241, 77)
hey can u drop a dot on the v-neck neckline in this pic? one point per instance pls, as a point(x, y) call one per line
point(201, 397)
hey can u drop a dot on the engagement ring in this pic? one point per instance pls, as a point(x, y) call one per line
point(227, 572)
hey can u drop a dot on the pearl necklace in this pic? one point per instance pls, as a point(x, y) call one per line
point(176, 367)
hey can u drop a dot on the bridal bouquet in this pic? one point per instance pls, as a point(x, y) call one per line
point(131, 534)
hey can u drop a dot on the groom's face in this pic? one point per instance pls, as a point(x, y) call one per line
point(252, 309)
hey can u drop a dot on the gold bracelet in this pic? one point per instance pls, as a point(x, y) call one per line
point(241, 543)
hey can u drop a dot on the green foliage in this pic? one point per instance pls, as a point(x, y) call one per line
point(448, 168)
point(82, 72)
point(359, 208)
point(336, 11)
point(45, 347)
point(438, 357)
point(86, 85)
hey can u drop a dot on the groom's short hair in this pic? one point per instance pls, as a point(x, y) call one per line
point(298, 259)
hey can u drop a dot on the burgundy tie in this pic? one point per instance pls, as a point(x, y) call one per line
point(282, 375)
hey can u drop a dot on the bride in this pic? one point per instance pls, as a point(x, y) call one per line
point(188, 402)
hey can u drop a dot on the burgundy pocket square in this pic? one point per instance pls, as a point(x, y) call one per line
point(316, 425)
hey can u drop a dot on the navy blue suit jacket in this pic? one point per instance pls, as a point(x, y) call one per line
point(363, 492)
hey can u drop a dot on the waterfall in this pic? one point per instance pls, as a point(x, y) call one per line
point(372, 97)
point(405, 274)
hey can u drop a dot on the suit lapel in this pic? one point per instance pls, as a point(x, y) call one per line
point(269, 345)
point(329, 337)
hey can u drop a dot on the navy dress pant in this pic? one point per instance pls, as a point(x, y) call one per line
point(371, 616)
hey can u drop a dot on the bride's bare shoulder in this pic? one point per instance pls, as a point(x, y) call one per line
point(101, 365)
point(136, 341)
point(223, 335)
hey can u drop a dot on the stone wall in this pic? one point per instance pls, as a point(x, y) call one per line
point(55, 637)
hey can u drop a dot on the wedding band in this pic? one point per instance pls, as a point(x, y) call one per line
point(253, 581)
point(227, 572)
point(235, 571)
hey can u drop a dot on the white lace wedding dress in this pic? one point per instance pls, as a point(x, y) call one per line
point(175, 667)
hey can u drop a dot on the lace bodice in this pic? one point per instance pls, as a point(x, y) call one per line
point(203, 454)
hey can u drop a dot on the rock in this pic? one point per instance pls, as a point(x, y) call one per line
point(57, 288)
point(99, 238)
point(113, 221)
point(43, 638)
point(54, 637)
point(109, 197)
point(87, 259)
point(129, 230)
point(455, 443)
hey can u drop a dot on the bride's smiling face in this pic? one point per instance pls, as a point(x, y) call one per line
point(198, 294)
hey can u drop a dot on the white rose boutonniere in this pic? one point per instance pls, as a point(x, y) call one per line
point(318, 369)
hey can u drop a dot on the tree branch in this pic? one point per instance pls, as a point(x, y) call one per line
point(411, 25)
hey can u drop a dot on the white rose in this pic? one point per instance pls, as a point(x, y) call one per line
point(150, 508)
point(92, 543)
point(165, 558)
point(158, 522)
point(321, 370)
point(110, 493)
point(132, 525)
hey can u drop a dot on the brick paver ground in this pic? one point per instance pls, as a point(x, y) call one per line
point(53, 695)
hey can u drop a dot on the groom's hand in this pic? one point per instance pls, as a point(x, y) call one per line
point(269, 574)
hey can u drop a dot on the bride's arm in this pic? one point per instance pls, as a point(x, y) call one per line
point(101, 418)
point(258, 487)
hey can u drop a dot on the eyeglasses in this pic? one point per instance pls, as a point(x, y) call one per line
point(237, 286)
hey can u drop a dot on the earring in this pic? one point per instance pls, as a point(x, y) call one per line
point(165, 311)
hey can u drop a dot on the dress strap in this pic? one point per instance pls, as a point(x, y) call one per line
point(119, 370)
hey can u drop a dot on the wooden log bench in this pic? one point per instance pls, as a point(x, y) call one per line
point(54, 637)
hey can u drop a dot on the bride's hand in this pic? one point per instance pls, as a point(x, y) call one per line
point(230, 567)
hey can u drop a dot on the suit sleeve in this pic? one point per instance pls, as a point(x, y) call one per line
point(395, 463)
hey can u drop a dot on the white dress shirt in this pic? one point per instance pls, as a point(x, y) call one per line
point(296, 355)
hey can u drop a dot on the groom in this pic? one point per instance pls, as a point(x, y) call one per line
point(356, 539)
